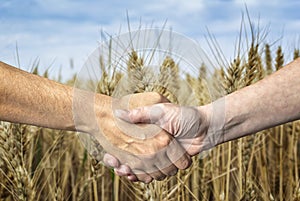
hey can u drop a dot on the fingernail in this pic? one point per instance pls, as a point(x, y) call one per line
point(124, 170)
point(112, 163)
point(121, 113)
point(132, 178)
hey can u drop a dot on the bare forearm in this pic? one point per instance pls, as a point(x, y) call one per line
point(272, 101)
point(31, 99)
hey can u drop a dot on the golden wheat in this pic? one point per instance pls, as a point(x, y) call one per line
point(45, 164)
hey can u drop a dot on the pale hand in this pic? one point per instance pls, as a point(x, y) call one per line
point(189, 125)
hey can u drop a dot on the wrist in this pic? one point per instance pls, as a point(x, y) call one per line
point(213, 118)
point(205, 115)
point(88, 107)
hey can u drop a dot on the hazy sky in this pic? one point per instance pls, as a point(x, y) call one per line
point(56, 30)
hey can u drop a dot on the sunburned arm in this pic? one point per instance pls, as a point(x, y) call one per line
point(31, 99)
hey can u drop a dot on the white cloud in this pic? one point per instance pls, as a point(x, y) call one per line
point(251, 3)
point(181, 7)
point(49, 40)
point(64, 29)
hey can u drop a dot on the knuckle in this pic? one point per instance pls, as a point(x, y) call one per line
point(173, 172)
point(137, 115)
point(163, 140)
point(170, 171)
point(158, 98)
point(160, 178)
point(132, 116)
point(148, 180)
point(186, 163)
point(145, 179)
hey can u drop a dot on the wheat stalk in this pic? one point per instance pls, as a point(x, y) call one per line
point(279, 60)
point(17, 179)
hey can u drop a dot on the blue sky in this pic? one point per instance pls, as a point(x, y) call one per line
point(56, 30)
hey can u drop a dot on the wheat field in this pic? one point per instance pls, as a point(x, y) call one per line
point(44, 164)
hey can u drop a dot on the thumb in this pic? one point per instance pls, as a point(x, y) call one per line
point(147, 114)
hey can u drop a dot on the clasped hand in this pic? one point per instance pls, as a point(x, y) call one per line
point(144, 152)
point(147, 151)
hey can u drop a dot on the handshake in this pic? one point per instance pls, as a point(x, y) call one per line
point(146, 137)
